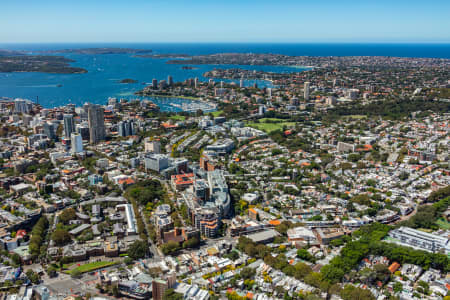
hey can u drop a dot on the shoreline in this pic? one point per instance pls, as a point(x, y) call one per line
point(167, 96)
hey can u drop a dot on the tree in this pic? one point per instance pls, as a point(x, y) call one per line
point(145, 191)
point(33, 277)
point(302, 270)
point(247, 273)
point(191, 243)
point(37, 235)
point(16, 259)
point(128, 260)
point(304, 254)
point(170, 247)
point(314, 279)
point(138, 250)
point(398, 287)
point(350, 292)
point(382, 272)
point(75, 273)
point(331, 273)
point(61, 237)
point(66, 215)
point(51, 272)
point(170, 294)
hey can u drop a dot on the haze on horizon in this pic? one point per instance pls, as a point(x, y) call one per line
point(56, 21)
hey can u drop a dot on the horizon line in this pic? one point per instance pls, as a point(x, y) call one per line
point(240, 42)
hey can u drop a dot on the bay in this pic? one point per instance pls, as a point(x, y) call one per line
point(105, 71)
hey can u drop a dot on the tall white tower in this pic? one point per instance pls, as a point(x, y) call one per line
point(306, 91)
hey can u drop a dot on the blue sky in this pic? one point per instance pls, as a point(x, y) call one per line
point(224, 21)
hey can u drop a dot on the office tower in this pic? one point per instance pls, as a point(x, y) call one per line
point(221, 84)
point(306, 91)
point(196, 82)
point(22, 106)
point(126, 128)
point(269, 92)
point(86, 107)
point(154, 83)
point(241, 83)
point(170, 80)
point(76, 143)
point(50, 130)
point(83, 130)
point(211, 82)
point(69, 125)
point(96, 123)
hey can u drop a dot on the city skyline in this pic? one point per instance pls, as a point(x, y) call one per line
point(52, 21)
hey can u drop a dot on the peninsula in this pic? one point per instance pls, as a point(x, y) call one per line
point(92, 51)
point(38, 63)
point(164, 55)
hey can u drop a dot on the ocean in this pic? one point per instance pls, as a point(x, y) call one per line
point(105, 71)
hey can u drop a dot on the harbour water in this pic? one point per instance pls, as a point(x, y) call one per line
point(105, 71)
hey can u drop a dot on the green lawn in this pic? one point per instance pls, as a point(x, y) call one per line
point(356, 116)
point(270, 124)
point(443, 224)
point(217, 113)
point(178, 118)
point(93, 266)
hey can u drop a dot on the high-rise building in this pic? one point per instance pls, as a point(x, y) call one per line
point(152, 146)
point(159, 286)
point(76, 143)
point(126, 128)
point(241, 83)
point(170, 80)
point(83, 129)
point(196, 82)
point(49, 130)
point(162, 84)
point(154, 83)
point(306, 91)
point(69, 125)
point(96, 123)
point(22, 106)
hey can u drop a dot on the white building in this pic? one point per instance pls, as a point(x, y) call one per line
point(152, 146)
point(420, 240)
point(76, 142)
point(306, 91)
